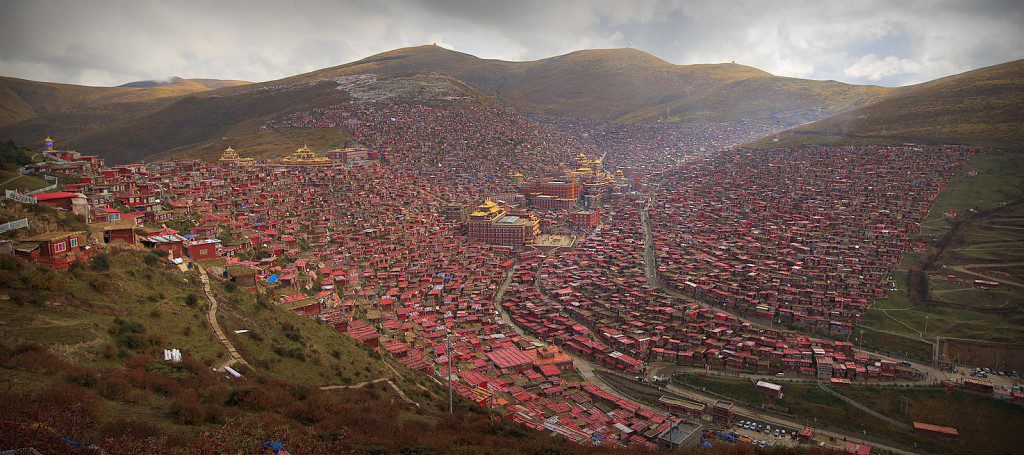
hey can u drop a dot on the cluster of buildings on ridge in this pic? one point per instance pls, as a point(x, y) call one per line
point(404, 256)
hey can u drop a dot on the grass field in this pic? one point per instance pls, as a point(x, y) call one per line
point(268, 144)
point(958, 309)
point(976, 418)
point(80, 358)
point(981, 108)
point(14, 180)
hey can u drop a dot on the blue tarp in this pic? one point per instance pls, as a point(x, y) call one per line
point(272, 279)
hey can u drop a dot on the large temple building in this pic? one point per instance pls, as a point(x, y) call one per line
point(69, 159)
point(491, 223)
point(231, 156)
point(305, 156)
point(583, 186)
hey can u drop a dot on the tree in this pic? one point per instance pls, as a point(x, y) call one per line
point(10, 153)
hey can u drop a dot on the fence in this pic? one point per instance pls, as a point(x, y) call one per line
point(23, 198)
point(48, 178)
point(16, 224)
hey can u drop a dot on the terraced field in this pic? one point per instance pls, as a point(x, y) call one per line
point(977, 323)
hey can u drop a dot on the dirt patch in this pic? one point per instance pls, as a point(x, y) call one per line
point(977, 353)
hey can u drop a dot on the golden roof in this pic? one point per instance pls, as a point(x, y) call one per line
point(229, 149)
point(48, 139)
point(487, 208)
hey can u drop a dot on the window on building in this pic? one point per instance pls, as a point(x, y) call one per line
point(74, 242)
point(58, 247)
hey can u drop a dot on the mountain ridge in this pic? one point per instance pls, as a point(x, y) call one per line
point(619, 85)
point(180, 81)
point(982, 107)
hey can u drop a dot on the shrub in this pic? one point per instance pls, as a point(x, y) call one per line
point(114, 387)
point(83, 376)
point(186, 408)
point(152, 259)
point(100, 285)
point(38, 279)
point(9, 262)
point(101, 262)
point(129, 334)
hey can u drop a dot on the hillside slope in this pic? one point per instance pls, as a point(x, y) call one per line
point(623, 84)
point(22, 99)
point(609, 84)
point(983, 107)
point(182, 82)
point(194, 125)
point(81, 358)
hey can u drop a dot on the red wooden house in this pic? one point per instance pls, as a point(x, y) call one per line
point(203, 249)
point(55, 249)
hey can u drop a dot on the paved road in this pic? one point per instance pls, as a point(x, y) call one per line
point(967, 269)
point(211, 317)
point(774, 420)
point(587, 371)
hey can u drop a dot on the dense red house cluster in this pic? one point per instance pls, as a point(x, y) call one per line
point(804, 236)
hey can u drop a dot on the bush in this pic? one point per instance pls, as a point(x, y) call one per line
point(38, 279)
point(130, 334)
point(152, 259)
point(12, 156)
point(294, 352)
point(100, 285)
point(9, 262)
point(187, 409)
point(101, 262)
point(114, 387)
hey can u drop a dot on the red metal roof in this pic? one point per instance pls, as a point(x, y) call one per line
point(508, 357)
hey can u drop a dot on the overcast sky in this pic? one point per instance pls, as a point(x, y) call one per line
point(858, 41)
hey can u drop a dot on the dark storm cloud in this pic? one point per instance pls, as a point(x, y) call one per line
point(867, 41)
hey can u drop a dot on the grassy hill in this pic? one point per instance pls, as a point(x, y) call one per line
point(612, 84)
point(181, 82)
point(977, 418)
point(624, 85)
point(80, 358)
point(984, 107)
point(22, 99)
point(978, 107)
point(194, 125)
point(30, 111)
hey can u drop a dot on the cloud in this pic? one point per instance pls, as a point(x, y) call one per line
point(108, 43)
point(874, 68)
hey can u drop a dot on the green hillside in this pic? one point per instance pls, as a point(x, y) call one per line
point(623, 84)
point(81, 358)
point(984, 107)
point(612, 84)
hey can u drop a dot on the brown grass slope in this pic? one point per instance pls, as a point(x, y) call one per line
point(182, 82)
point(22, 99)
point(983, 107)
point(193, 126)
point(616, 84)
point(622, 84)
point(30, 111)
